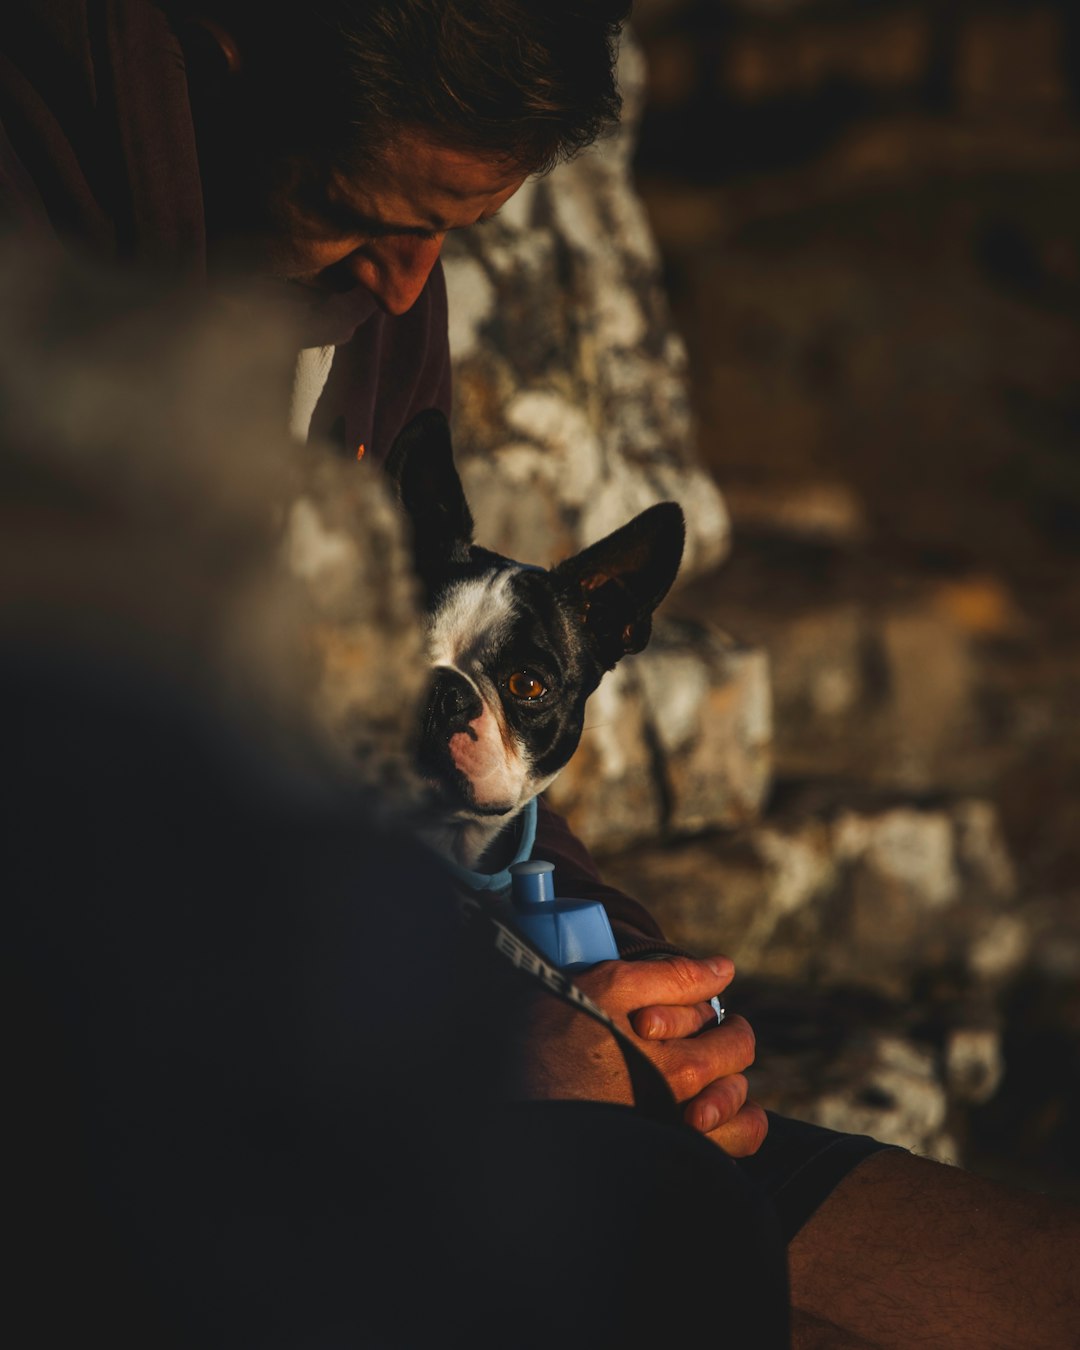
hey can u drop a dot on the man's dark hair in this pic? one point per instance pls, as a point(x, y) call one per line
point(531, 82)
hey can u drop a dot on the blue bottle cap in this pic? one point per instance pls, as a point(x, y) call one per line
point(533, 883)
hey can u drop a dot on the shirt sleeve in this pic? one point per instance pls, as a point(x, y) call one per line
point(637, 933)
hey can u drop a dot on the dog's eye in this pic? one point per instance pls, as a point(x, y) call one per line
point(525, 685)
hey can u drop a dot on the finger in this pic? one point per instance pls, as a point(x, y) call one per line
point(725, 1049)
point(742, 1136)
point(691, 1065)
point(629, 986)
point(717, 1104)
point(673, 1022)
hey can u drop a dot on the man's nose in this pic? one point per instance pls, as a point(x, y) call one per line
point(396, 269)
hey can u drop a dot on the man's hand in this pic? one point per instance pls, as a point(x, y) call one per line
point(663, 1006)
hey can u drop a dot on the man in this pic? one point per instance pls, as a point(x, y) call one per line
point(210, 149)
point(329, 156)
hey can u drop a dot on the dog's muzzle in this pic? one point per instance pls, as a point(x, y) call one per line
point(452, 702)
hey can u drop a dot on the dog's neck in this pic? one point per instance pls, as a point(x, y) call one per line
point(484, 847)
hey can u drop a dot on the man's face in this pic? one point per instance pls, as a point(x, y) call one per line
point(384, 229)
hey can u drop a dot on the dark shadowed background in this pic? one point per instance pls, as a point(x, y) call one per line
point(869, 218)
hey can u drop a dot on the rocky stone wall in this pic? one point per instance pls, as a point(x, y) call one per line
point(571, 402)
point(872, 255)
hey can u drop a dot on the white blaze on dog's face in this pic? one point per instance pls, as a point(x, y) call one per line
point(476, 617)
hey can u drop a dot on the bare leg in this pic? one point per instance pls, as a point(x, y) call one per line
point(908, 1252)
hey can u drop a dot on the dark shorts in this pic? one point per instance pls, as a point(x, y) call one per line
point(800, 1165)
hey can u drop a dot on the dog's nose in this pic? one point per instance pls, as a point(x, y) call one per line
point(453, 702)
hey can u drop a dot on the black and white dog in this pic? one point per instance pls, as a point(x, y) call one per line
point(516, 650)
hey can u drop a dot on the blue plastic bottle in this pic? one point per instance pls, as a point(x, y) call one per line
point(572, 934)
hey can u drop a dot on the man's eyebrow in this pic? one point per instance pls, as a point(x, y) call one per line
point(424, 231)
point(372, 226)
point(380, 227)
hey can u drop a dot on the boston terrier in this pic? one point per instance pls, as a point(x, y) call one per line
point(516, 650)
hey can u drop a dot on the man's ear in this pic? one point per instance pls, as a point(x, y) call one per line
point(616, 584)
point(421, 467)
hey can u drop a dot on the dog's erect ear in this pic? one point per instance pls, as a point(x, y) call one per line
point(617, 583)
point(421, 467)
